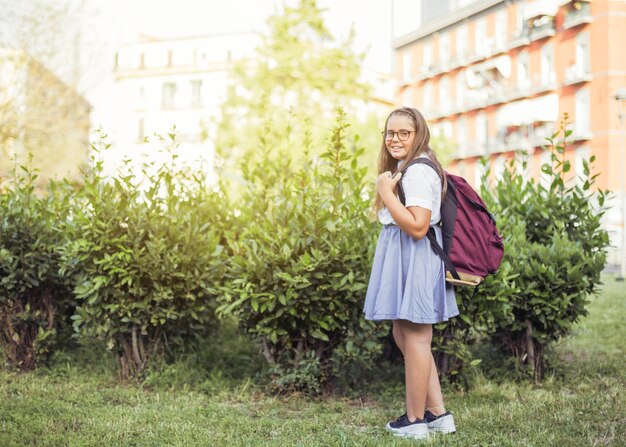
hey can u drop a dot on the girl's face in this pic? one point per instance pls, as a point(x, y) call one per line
point(399, 136)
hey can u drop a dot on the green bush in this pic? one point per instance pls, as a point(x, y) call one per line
point(480, 312)
point(146, 261)
point(301, 263)
point(35, 299)
point(556, 247)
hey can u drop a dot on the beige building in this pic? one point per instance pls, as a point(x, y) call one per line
point(42, 116)
point(179, 82)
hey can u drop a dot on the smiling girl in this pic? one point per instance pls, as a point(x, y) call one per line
point(407, 284)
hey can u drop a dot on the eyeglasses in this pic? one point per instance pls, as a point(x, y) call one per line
point(403, 135)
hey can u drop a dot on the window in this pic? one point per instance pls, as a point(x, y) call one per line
point(141, 129)
point(545, 160)
point(522, 24)
point(461, 41)
point(461, 169)
point(406, 97)
point(444, 99)
point(582, 123)
point(499, 165)
point(427, 56)
point(480, 37)
point(444, 47)
point(481, 133)
point(142, 60)
point(547, 65)
point(501, 29)
point(461, 136)
point(445, 129)
point(141, 97)
point(196, 92)
point(479, 172)
point(582, 53)
point(525, 172)
point(168, 95)
point(460, 89)
point(170, 58)
point(428, 96)
point(406, 65)
point(523, 70)
point(436, 130)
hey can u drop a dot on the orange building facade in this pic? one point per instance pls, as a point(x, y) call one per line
point(497, 77)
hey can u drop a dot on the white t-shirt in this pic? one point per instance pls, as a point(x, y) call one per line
point(422, 187)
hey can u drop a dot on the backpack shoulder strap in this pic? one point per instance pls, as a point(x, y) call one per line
point(432, 237)
point(418, 160)
point(431, 231)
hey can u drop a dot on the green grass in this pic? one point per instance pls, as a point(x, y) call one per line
point(191, 403)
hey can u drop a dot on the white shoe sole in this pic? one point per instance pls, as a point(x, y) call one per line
point(443, 425)
point(417, 431)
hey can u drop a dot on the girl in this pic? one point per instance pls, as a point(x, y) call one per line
point(407, 283)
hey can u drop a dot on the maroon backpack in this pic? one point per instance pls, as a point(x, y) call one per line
point(472, 246)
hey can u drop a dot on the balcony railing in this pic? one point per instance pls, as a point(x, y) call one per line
point(544, 82)
point(426, 71)
point(576, 73)
point(512, 142)
point(520, 38)
point(540, 135)
point(581, 132)
point(579, 14)
point(541, 27)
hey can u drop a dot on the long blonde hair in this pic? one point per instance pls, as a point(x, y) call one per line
point(420, 146)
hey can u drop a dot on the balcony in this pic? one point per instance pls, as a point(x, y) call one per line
point(580, 13)
point(518, 142)
point(581, 132)
point(475, 149)
point(541, 27)
point(520, 90)
point(520, 38)
point(404, 81)
point(576, 73)
point(460, 59)
point(499, 46)
point(426, 71)
point(540, 134)
point(496, 95)
point(545, 82)
point(483, 52)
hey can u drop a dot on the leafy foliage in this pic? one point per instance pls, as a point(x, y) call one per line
point(300, 267)
point(34, 297)
point(556, 246)
point(146, 260)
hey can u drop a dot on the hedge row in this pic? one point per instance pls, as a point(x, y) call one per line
point(151, 262)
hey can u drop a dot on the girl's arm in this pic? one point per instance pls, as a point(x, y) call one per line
point(414, 220)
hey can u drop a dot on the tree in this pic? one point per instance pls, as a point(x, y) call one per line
point(299, 76)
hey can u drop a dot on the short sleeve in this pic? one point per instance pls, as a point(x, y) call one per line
point(422, 187)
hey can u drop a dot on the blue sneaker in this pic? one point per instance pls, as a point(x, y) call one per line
point(444, 423)
point(418, 429)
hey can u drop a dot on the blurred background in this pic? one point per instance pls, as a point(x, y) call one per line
point(493, 78)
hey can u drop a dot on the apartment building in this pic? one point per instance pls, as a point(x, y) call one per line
point(179, 82)
point(497, 77)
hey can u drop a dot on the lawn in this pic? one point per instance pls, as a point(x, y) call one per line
point(78, 402)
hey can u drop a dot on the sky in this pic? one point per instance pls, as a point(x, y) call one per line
point(117, 22)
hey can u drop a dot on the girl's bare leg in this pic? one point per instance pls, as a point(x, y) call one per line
point(397, 335)
point(434, 398)
point(418, 364)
